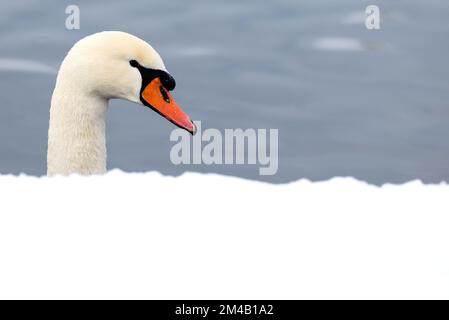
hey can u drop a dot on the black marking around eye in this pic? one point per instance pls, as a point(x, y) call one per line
point(149, 75)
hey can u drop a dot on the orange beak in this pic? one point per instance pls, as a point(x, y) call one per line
point(160, 100)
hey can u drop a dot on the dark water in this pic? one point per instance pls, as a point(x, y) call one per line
point(347, 101)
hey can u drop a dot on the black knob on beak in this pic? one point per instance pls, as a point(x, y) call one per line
point(168, 81)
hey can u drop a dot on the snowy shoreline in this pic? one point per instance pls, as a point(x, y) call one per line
point(209, 236)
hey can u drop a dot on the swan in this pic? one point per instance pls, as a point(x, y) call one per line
point(103, 66)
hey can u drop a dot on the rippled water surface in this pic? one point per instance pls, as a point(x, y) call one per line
point(347, 101)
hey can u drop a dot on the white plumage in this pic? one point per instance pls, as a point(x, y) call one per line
point(95, 70)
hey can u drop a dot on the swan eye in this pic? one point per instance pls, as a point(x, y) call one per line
point(164, 94)
point(134, 63)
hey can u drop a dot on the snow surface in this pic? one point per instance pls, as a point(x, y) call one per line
point(208, 236)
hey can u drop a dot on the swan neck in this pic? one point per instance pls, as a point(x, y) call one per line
point(77, 131)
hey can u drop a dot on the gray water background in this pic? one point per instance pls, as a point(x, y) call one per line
point(347, 101)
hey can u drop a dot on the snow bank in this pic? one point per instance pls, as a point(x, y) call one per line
point(209, 236)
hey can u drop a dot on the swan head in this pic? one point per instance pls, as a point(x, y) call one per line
point(117, 65)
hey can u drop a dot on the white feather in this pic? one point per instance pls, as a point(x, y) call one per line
point(95, 70)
